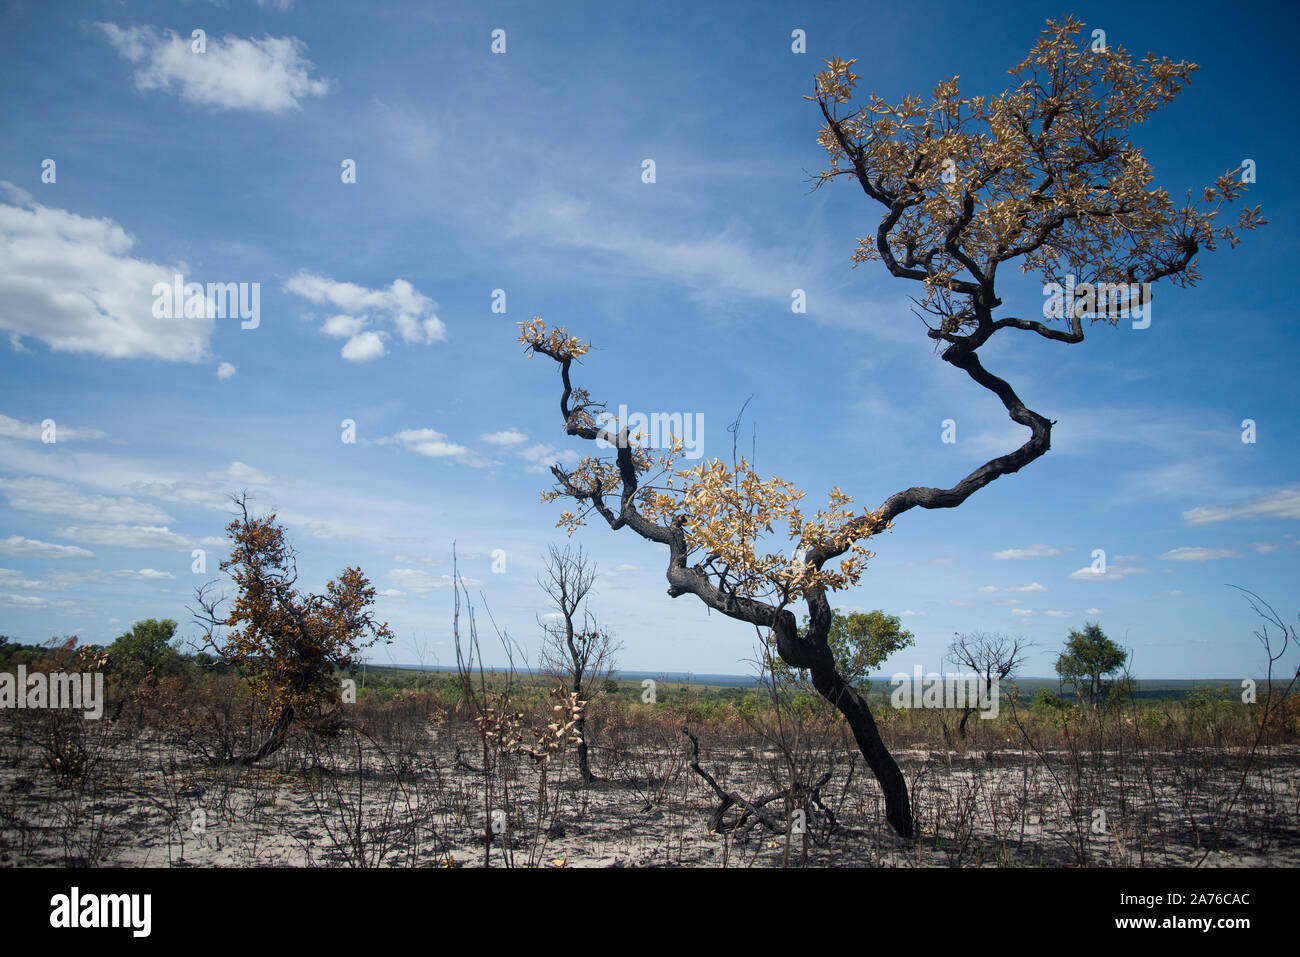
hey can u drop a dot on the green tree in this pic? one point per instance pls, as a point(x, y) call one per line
point(1089, 657)
point(860, 641)
point(145, 652)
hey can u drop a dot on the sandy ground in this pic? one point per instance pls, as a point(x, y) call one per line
point(144, 803)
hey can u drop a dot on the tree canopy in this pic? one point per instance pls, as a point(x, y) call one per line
point(1088, 659)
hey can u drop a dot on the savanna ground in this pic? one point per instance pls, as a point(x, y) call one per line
point(407, 777)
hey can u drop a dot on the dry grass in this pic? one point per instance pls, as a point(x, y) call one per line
point(405, 785)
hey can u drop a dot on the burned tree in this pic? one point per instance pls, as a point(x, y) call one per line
point(288, 644)
point(990, 658)
point(1042, 176)
point(575, 650)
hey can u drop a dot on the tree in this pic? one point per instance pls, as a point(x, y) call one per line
point(1042, 176)
point(991, 657)
point(575, 650)
point(1089, 657)
point(145, 653)
point(286, 642)
point(860, 642)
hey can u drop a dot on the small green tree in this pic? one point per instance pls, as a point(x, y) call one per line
point(1089, 657)
point(145, 653)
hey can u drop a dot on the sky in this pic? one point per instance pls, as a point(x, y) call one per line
point(516, 178)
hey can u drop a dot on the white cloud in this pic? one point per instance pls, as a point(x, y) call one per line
point(12, 578)
point(70, 282)
point(435, 445)
point(343, 327)
point(213, 491)
point(1021, 611)
point(242, 473)
point(911, 614)
point(1113, 573)
point(505, 437)
point(718, 268)
point(31, 548)
point(131, 536)
point(34, 431)
point(541, 457)
point(363, 348)
point(1058, 614)
point(418, 580)
point(1029, 551)
point(425, 442)
point(1197, 554)
point(412, 314)
point(1032, 586)
point(152, 574)
point(1281, 504)
point(31, 601)
point(48, 497)
point(269, 75)
point(1172, 593)
point(225, 371)
point(1092, 611)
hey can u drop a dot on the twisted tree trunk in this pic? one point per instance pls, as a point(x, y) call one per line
point(898, 806)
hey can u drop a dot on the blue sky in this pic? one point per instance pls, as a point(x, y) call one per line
point(522, 171)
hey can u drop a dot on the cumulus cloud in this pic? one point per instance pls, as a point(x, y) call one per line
point(241, 473)
point(35, 431)
point(412, 315)
point(363, 347)
point(225, 371)
point(132, 536)
point(1032, 586)
point(48, 497)
point(1281, 504)
point(270, 75)
point(31, 548)
point(419, 581)
point(31, 601)
point(1196, 554)
point(428, 442)
point(70, 282)
point(541, 457)
point(12, 578)
point(435, 445)
point(505, 437)
point(1029, 551)
point(210, 491)
point(1113, 573)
